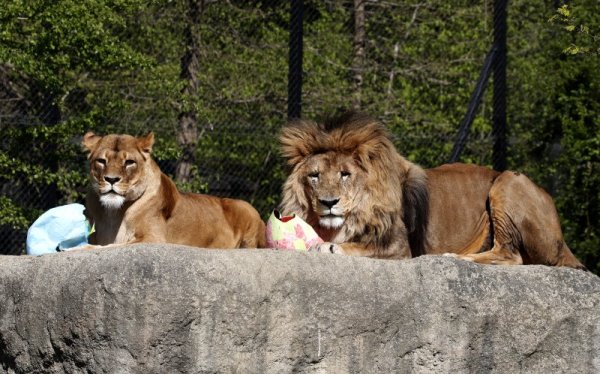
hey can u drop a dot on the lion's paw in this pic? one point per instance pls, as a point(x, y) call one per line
point(327, 248)
point(460, 257)
point(448, 254)
point(82, 248)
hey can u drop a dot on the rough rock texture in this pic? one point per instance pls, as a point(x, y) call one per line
point(165, 309)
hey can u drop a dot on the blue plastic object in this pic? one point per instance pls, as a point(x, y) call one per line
point(59, 229)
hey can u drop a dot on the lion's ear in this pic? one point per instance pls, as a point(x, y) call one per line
point(146, 142)
point(298, 139)
point(90, 140)
point(372, 144)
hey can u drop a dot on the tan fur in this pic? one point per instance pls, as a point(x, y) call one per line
point(363, 198)
point(153, 210)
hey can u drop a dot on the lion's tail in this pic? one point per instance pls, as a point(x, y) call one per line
point(254, 236)
point(566, 258)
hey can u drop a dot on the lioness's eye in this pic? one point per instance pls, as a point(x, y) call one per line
point(101, 161)
point(129, 162)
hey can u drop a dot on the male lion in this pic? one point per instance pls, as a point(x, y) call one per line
point(363, 198)
point(131, 200)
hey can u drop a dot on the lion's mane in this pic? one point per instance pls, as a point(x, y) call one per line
point(396, 189)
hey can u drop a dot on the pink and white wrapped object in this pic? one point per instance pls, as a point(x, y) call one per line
point(290, 233)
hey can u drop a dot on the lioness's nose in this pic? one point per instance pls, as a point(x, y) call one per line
point(329, 202)
point(112, 180)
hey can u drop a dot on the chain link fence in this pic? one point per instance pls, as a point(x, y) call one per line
point(211, 80)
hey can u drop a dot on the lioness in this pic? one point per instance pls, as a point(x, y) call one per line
point(363, 198)
point(131, 200)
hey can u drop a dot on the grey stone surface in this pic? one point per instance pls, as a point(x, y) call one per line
point(169, 309)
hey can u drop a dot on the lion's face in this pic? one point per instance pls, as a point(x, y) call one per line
point(334, 184)
point(117, 167)
point(345, 176)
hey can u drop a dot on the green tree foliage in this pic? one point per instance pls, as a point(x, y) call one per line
point(555, 119)
point(585, 41)
point(114, 66)
point(50, 53)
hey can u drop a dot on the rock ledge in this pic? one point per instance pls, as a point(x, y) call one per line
point(165, 308)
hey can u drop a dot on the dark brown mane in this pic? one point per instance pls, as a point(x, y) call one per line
point(351, 132)
point(370, 142)
point(415, 203)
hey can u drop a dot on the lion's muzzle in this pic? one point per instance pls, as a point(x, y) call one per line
point(331, 215)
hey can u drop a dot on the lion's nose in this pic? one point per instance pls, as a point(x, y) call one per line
point(112, 180)
point(329, 202)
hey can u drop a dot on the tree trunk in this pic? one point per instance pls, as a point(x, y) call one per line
point(359, 52)
point(390, 87)
point(187, 133)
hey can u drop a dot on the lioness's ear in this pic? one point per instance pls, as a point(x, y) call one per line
point(90, 140)
point(146, 142)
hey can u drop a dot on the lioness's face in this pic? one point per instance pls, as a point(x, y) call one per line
point(116, 168)
point(334, 183)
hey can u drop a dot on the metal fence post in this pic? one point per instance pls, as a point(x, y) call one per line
point(465, 125)
point(295, 60)
point(499, 68)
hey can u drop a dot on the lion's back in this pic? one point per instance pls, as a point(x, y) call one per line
point(458, 195)
point(215, 222)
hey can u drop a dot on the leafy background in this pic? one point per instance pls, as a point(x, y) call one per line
point(115, 66)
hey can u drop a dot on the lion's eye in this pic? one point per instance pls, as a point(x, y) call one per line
point(314, 176)
point(345, 175)
point(101, 161)
point(129, 163)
